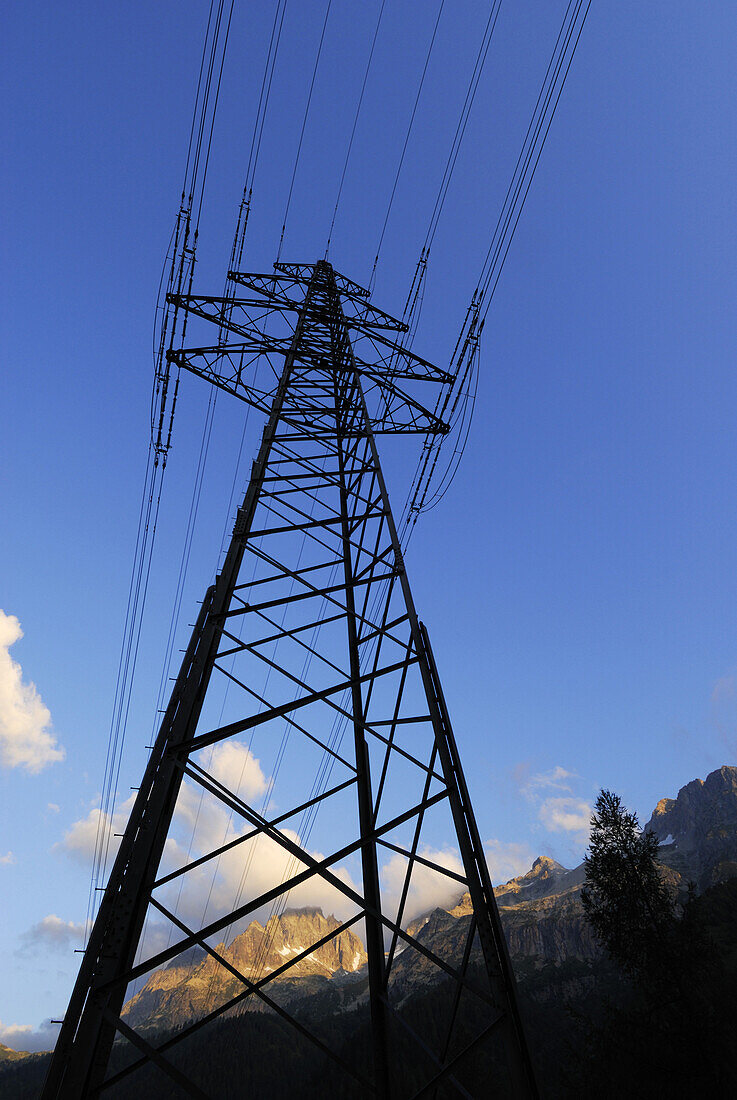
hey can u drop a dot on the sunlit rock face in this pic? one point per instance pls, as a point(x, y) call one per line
point(199, 983)
point(7, 1054)
point(541, 913)
point(698, 829)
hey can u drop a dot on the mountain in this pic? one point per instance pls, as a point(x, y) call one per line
point(557, 960)
point(544, 878)
point(7, 1054)
point(541, 910)
point(698, 829)
point(196, 983)
point(541, 913)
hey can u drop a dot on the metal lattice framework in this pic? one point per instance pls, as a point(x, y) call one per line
point(312, 627)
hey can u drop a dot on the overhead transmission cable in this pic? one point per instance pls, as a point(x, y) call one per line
point(353, 130)
point(462, 124)
point(229, 294)
point(464, 362)
point(258, 130)
point(182, 256)
point(302, 131)
point(404, 147)
point(416, 293)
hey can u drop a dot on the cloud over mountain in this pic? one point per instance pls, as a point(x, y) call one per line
point(507, 859)
point(26, 1037)
point(566, 815)
point(51, 934)
point(559, 809)
point(201, 824)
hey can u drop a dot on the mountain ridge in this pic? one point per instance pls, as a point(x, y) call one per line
point(540, 911)
point(183, 992)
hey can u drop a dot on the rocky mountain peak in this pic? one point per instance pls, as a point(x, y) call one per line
point(698, 828)
point(545, 877)
point(196, 984)
point(544, 866)
point(7, 1054)
point(663, 807)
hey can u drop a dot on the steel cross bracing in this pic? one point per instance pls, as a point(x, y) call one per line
point(308, 657)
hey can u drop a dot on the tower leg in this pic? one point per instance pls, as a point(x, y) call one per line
point(317, 531)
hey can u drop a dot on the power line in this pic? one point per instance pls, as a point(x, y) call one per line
point(494, 268)
point(465, 357)
point(353, 130)
point(302, 131)
point(404, 147)
point(416, 292)
point(258, 129)
point(462, 123)
point(182, 248)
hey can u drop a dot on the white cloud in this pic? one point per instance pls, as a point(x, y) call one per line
point(428, 889)
point(432, 889)
point(559, 808)
point(235, 766)
point(557, 779)
point(566, 815)
point(7, 859)
point(25, 737)
point(507, 861)
point(80, 839)
point(51, 934)
point(202, 823)
point(52, 807)
point(25, 1037)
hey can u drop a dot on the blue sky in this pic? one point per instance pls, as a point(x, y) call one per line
point(578, 579)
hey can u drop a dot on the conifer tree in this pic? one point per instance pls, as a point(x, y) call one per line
point(626, 901)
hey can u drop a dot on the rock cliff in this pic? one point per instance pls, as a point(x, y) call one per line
point(541, 913)
point(541, 910)
point(698, 829)
point(197, 983)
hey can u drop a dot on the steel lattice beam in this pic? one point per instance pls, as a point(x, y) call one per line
point(311, 623)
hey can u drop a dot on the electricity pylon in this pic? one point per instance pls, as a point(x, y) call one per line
point(311, 625)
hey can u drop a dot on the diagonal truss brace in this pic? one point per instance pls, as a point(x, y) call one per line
point(359, 538)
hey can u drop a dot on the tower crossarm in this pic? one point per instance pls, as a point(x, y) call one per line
point(226, 367)
point(305, 273)
point(242, 316)
point(358, 308)
point(258, 330)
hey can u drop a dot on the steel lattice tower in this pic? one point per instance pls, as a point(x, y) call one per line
point(313, 599)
